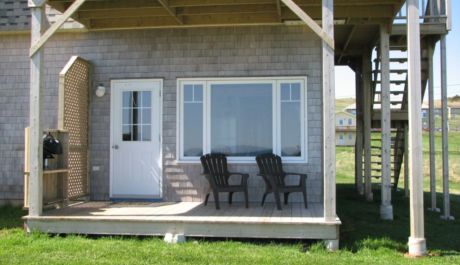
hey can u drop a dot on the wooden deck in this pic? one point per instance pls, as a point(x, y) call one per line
point(188, 218)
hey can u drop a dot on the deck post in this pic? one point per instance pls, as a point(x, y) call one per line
point(38, 15)
point(359, 136)
point(417, 242)
point(386, 209)
point(432, 128)
point(366, 78)
point(445, 134)
point(406, 160)
point(328, 114)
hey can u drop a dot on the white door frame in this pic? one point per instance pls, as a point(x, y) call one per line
point(160, 127)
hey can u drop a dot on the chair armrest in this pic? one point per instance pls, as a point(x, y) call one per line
point(244, 177)
point(302, 177)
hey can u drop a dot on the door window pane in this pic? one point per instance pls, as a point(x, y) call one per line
point(241, 119)
point(193, 121)
point(136, 115)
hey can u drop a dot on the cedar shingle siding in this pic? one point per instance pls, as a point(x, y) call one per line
point(161, 53)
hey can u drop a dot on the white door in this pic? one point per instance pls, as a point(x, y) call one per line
point(135, 139)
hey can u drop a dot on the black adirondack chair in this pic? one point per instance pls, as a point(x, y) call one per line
point(271, 169)
point(216, 172)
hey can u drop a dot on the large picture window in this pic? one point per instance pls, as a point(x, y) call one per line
point(242, 118)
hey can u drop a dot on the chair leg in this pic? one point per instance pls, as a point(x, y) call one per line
point(286, 196)
point(246, 198)
point(230, 197)
point(206, 199)
point(216, 199)
point(263, 198)
point(304, 193)
point(278, 200)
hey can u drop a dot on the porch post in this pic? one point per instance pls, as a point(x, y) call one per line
point(417, 242)
point(37, 8)
point(366, 78)
point(359, 134)
point(432, 125)
point(329, 115)
point(386, 209)
point(445, 133)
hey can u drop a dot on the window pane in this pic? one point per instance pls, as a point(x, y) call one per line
point(198, 93)
point(188, 93)
point(127, 99)
point(285, 92)
point(290, 129)
point(127, 133)
point(127, 114)
point(295, 91)
point(193, 129)
point(146, 116)
point(136, 99)
point(146, 133)
point(136, 133)
point(136, 116)
point(241, 119)
point(146, 99)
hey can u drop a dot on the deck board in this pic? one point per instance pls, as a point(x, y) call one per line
point(188, 218)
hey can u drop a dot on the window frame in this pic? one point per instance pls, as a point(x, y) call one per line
point(276, 115)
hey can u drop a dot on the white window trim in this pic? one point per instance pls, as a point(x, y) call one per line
point(207, 82)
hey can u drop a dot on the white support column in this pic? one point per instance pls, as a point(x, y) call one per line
point(329, 115)
point(36, 109)
point(417, 242)
point(366, 78)
point(386, 209)
point(432, 128)
point(406, 161)
point(445, 133)
point(359, 136)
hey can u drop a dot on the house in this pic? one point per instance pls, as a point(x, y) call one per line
point(137, 90)
point(345, 128)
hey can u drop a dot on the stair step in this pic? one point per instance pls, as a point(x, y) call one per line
point(396, 82)
point(391, 102)
point(396, 93)
point(393, 71)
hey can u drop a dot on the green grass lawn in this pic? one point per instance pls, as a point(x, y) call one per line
point(365, 239)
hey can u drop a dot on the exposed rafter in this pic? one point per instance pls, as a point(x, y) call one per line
point(279, 10)
point(171, 11)
point(310, 22)
point(62, 19)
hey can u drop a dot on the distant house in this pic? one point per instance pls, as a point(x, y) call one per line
point(351, 109)
point(345, 127)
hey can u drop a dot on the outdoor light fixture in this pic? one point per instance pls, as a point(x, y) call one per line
point(100, 90)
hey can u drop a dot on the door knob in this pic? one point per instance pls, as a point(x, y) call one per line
point(115, 146)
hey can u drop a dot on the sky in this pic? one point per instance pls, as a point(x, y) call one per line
point(345, 80)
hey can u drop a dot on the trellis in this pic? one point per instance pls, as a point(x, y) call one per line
point(73, 116)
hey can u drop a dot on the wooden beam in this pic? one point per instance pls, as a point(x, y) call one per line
point(61, 20)
point(171, 11)
point(324, 35)
point(279, 10)
point(445, 133)
point(366, 77)
point(328, 114)
point(35, 200)
point(417, 242)
point(386, 209)
point(432, 129)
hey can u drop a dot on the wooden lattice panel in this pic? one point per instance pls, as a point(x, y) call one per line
point(73, 117)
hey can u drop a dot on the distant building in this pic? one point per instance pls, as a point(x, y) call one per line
point(345, 127)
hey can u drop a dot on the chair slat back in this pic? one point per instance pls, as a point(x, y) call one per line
point(271, 165)
point(216, 166)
